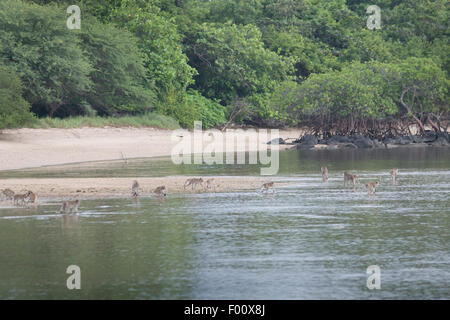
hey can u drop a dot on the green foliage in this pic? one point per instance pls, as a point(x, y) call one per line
point(144, 120)
point(356, 92)
point(98, 66)
point(119, 78)
point(308, 56)
point(14, 110)
point(240, 12)
point(367, 45)
point(210, 112)
point(275, 109)
point(424, 83)
point(411, 19)
point(232, 62)
point(359, 92)
point(101, 9)
point(160, 42)
point(270, 62)
point(44, 53)
point(195, 107)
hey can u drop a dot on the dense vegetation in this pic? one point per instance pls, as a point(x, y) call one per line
point(255, 62)
point(14, 110)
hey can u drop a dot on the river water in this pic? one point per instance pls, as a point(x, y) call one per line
point(308, 240)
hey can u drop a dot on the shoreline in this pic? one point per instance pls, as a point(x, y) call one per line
point(34, 148)
point(357, 141)
point(24, 149)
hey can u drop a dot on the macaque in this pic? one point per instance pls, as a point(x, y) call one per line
point(210, 184)
point(372, 187)
point(70, 206)
point(160, 191)
point(135, 189)
point(193, 182)
point(267, 186)
point(394, 173)
point(19, 199)
point(348, 177)
point(324, 170)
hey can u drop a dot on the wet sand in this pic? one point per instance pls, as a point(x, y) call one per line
point(102, 188)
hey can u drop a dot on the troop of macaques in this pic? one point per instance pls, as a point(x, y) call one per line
point(352, 179)
point(19, 199)
point(30, 198)
point(72, 206)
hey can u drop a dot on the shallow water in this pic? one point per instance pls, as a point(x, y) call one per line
point(309, 240)
point(291, 162)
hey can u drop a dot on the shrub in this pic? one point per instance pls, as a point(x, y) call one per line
point(14, 110)
point(195, 107)
point(119, 78)
point(44, 52)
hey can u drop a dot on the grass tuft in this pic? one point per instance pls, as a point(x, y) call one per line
point(147, 120)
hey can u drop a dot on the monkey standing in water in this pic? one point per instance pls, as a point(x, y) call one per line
point(31, 198)
point(135, 189)
point(266, 186)
point(394, 173)
point(324, 170)
point(20, 198)
point(70, 206)
point(349, 177)
point(372, 187)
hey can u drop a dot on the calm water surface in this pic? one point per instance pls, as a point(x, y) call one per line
point(309, 240)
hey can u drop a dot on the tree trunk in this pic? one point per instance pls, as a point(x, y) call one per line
point(408, 108)
point(433, 125)
point(52, 108)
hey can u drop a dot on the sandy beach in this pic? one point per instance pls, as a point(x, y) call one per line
point(31, 148)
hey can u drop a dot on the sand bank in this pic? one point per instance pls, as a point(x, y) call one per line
point(30, 148)
point(101, 188)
